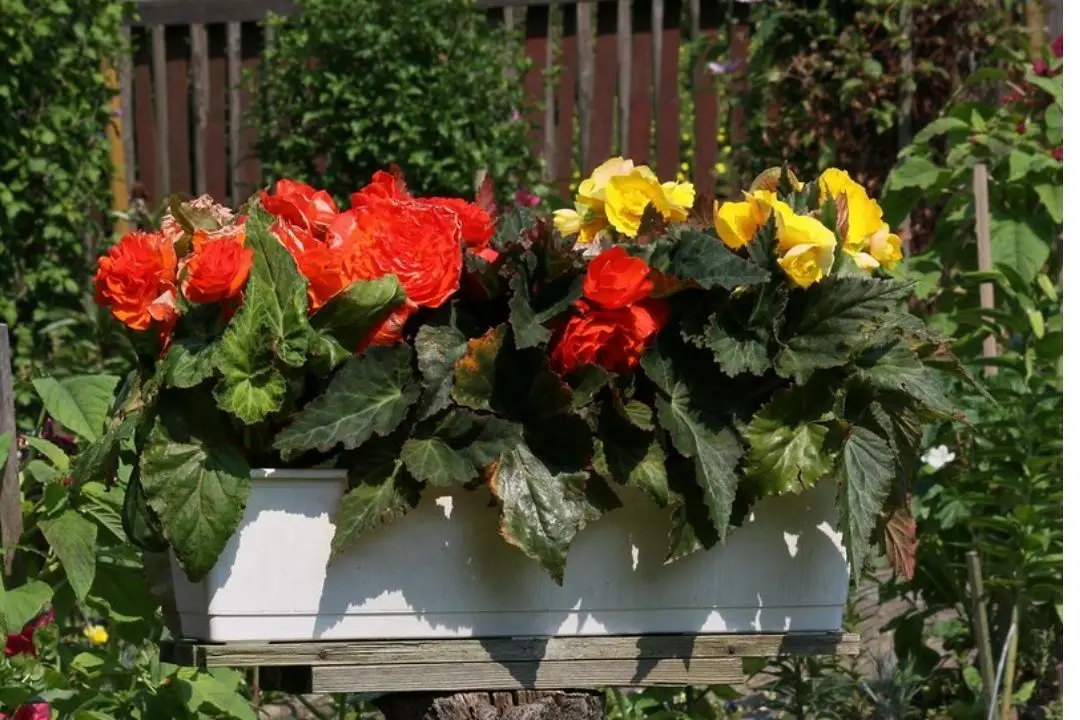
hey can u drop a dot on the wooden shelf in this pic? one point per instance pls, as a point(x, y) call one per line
point(506, 663)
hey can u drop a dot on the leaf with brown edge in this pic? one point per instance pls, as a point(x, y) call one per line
point(485, 196)
point(399, 178)
point(702, 215)
point(901, 543)
point(652, 224)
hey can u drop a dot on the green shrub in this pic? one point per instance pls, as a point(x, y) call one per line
point(54, 172)
point(422, 84)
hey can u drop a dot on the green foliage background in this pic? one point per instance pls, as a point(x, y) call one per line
point(350, 87)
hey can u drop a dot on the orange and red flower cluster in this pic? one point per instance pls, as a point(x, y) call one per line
point(615, 320)
point(385, 232)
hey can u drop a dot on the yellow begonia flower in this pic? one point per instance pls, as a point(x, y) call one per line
point(736, 223)
point(96, 634)
point(567, 222)
point(627, 196)
point(679, 197)
point(868, 238)
point(806, 248)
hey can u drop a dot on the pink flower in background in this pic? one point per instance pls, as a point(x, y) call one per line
point(23, 642)
point(33, 711)
point(526, 198)
point(1057, 47)
point(1058, 153)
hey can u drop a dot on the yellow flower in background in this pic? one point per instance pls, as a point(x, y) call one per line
point(736, 222)
point(96, 634)
point(806, 248)
point(679, 197)
point(567, 222)
point(867, 237)
point(627, 196)
point(588, 218)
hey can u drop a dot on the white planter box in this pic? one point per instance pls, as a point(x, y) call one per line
point(442, 571)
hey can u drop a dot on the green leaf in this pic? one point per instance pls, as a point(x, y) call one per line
point(190, 359)
point(914, 172)
point(696, 432)
point(866, 472)
point(1052, 195)
point(937, 127)
point(629, 456)
point(73, 538)
point(833, 318)
point(704, 259)
point(205, 690)
point(350, 315)
point(526, 320)
point(786, 440)
point(542, 511)
point(141, 524)
point(736, 355)
point(383, 491)
point(80, 403)
point(635, 412)
point(57, 457)
point(894, 367)
point(586, 381)
point(251, 386)
point(5, 448)
point(197, 482)
point(438, 348)
point(98, 460)
point(454, 449)
point(691, 528)
point(24, 603)
point(511, 227)
point(1020, 243)
point(277, 291)
point(370, 394)
point(897, 418)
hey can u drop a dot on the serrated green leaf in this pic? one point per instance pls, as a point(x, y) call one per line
point(897, 419)
point(866, 472)
point(542, 511)
point(369, 395)
point(72, 537)
point(527, 314)
point(141, 524)
point(80, 403)
point(455, 448)
point(786, 441)
point(635, 412)
point(511, 227)
point(586, 381)
point(438, 348)
point(692, 530)
point(834, 317)
point(707, 261)
point(737, 355)
point(251, 386)
point(350, 315)
point(196, 481)
point(382, 492)
point(277, 290)
point(696, 431)
point(626, 455)
point(190, 359)
point(98, 460)
point(894, 367)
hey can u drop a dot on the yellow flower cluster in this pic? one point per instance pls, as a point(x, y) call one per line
point(96, 634)
point(616, 195)
point(805, 247)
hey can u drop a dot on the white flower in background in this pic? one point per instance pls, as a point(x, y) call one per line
point(938, 457)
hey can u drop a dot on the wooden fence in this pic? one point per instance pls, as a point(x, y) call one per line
point(182, 106)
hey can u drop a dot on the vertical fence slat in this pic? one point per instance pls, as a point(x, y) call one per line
point(604, 70)
point(536, 48)
point(549, 106)
point(625, 57)
point(668, 140)
point(161, 114)
point(127, 114)
point(217, 169)
point(564, 140)
point(695, 19)
point(179, 67)
point(11, 523)
point(115, 133)
point(980, 188)
point(585, 81)
point(200, 76)
point(145, 128)
point(639, 128)
point(508, 18)
point(739, 44)
point(705, 110)
point(250, 167)
point(233, 63)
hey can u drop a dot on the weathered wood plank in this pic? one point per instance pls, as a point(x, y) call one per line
point(668, 140)
point(185, 12)
point(378, 652)
point(625, 56)
point(127, 103)
point(535, 85)
point(248, 164)
point(585, 81)
point(453, 677)
point(11, 523)
point(567, 80)
point(233, 63)
point(705, 109)
point(604, 83)
point(161, 113)
point(737, 133)
point(980, 188)
point(177, 49)
point(549, 106)
point(144, 124)
point(639, 144)
point(217, 167)
point(200, 76)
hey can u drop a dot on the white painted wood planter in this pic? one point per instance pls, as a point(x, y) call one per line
point(443, 572)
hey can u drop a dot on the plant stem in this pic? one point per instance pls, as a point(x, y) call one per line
point(1010, 664)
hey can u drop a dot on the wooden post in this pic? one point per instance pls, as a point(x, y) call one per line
point(115, 132)
point(982, 627)
point(982, 236)
point(11, 526)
